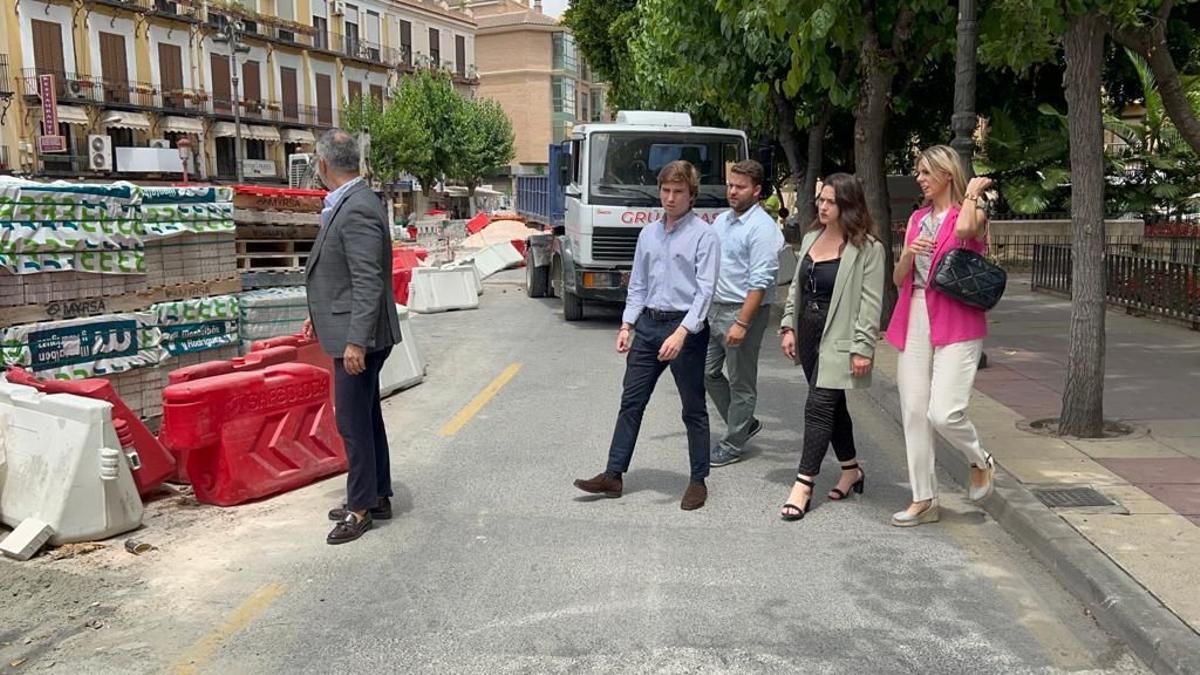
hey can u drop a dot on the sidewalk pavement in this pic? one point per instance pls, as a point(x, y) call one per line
point(1152, 529)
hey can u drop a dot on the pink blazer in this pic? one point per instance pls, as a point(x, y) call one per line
point(950, 321)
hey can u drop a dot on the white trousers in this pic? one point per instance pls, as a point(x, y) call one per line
point(935, 389)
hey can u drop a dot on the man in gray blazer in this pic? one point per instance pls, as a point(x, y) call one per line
point(353, 314)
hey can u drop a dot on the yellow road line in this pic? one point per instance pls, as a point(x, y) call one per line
point(208, 646)
point(463, 416)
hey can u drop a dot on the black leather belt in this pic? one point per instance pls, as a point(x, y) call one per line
point(663, 315)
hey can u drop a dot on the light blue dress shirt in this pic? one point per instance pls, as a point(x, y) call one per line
point(675, 271)
point(332, 199)
point(750, 246)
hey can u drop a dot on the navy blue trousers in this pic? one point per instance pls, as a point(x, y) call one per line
point(360, 422)
point(642, 370)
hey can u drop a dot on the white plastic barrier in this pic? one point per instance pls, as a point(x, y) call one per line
point(405, 366)
point(64, 466)
point(495, 258)
point(435, 289)
point(787, 266)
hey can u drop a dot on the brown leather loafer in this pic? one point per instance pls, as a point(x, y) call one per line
point(694, 497)
point(601, 484)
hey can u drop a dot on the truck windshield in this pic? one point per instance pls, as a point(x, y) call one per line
point(625, 165)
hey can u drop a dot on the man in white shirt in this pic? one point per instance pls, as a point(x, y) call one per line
point(750, 246)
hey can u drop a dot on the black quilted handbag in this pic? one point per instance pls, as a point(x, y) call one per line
point(969, 278)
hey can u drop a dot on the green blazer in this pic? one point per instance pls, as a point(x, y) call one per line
point(852, 326)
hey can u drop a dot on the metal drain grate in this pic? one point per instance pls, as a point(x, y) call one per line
point(1057, 498)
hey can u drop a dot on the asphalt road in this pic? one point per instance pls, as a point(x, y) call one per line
point(496, 564)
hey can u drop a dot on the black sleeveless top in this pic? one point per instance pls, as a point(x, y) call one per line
point(818, 279)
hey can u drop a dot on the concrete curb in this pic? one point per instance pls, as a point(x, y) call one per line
point(1120, 604)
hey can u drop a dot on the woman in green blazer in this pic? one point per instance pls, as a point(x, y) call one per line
point(830, 325)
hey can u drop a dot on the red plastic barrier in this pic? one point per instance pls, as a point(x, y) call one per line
point(519, 244)
point(253, 361)
point(249, 435)
point(156, 463)
point(401, 280)
point(307, 351)
point(476, 224)
point(407, 258)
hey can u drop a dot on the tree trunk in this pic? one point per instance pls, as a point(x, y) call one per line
point(1150, 42)
point(964, 120)
point(870, 126)
point(1083, 396)
point(806, 206)
point(789, 140)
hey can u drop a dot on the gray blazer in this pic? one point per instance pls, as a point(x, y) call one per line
point(349, 277)
point(852, 326)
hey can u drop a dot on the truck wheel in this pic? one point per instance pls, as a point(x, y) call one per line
point(572, 304)
point(537, 279)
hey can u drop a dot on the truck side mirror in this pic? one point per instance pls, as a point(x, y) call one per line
point(564, 170)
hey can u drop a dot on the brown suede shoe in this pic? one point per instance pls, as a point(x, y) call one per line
point(694, 497)
point(602, 484)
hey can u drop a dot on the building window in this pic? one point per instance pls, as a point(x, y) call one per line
point(435, 48)
point(460, 55)
point(373, 28)
point(406, 42)
point(565, 57)
point(286, 10)
point(256, 149)
point(351, 27)
point(320, 22)
point(597, 105)
point(562, 94)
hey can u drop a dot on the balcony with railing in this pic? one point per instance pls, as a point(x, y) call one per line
point(360, 49)
point(186, 10)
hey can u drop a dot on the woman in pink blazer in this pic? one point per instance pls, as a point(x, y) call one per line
point(940, 339)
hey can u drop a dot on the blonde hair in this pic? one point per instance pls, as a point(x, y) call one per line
point(944, 159)
point(680, 171)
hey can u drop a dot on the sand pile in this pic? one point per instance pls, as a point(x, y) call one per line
point(499, 231)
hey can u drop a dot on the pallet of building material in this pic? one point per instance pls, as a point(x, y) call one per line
point(197, 324)
point(190, 258)
point(87, 304)
point(254, 279)
point(141, 388)
point(78, 348)
point(243, 217)
point(273, 254)
point(44, 288)
point(258, 198)
point(271, 312)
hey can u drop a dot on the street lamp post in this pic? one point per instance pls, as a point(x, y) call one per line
point(230, 35)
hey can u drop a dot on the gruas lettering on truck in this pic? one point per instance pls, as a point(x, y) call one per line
point(598, 192)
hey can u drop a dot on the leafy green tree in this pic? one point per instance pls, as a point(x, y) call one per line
point(603, 30)
point(398, 140)
point(428, 100)
point(487, 139)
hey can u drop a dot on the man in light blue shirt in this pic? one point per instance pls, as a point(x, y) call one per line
point(675, 268)
point(750, 246)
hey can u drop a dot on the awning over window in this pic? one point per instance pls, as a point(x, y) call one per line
point(252, 133)
point(298, 136)
point(126, 120)
point(70, 114)
point(268, 134)
point(182, 125)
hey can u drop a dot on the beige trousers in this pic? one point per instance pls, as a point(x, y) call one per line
point(935, 389)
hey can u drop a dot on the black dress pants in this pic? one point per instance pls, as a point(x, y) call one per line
point(360, 423)
point(826, 417)
point(642, 370)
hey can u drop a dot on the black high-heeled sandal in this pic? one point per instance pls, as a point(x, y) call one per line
point(858, 486)
point(797, 512)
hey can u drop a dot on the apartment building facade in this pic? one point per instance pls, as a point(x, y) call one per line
point(528, 61)
point(150, 73)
